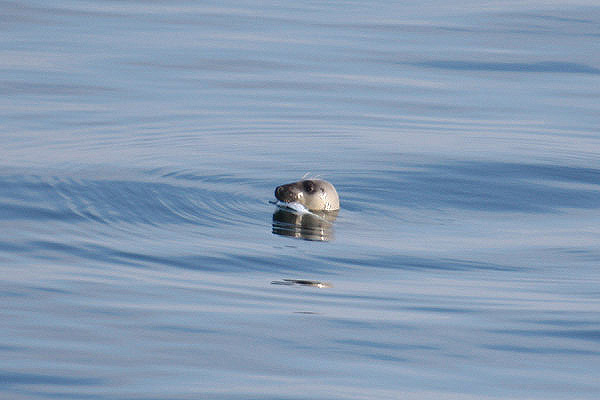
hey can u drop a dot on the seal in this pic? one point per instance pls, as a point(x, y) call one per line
point(314, 194)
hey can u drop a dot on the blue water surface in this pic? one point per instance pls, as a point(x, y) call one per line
point(140, 144)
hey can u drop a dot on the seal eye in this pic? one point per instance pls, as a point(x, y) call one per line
point(309, 187)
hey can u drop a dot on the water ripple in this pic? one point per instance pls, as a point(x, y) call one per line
point(150, 201)
point(14, 378)
point(479, 185)
point(547, 66)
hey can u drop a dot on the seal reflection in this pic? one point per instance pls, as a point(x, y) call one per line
point(317, 226)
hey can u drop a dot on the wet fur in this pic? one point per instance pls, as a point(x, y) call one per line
point(314, 194)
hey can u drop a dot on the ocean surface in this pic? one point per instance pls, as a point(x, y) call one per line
point(141, 258)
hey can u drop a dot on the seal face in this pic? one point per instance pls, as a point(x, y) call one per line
point(314, 194)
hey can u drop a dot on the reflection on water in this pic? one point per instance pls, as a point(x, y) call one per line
point(314, 225)
point(302, 282)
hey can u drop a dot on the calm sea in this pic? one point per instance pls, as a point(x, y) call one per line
point(140, 144)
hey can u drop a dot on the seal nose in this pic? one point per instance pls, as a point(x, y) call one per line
point(278, 191)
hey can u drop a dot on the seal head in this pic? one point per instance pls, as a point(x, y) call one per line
point(314, 194)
